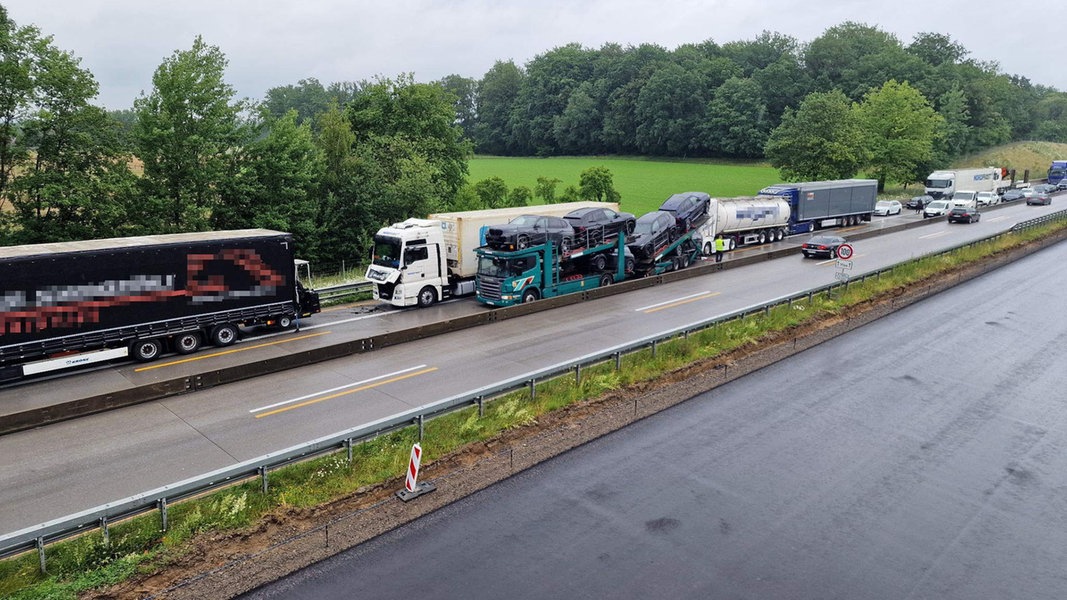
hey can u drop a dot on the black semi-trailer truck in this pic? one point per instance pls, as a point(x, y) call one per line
point(69, 304)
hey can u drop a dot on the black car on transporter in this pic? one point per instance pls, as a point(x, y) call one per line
point(594, 224)
point(531, 230)
point(687, 208)
point(652, 234)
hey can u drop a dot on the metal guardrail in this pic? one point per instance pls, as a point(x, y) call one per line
point(345, 289)
point(38, 536)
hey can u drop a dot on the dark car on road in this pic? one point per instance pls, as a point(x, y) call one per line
point(687, 208)
point(594, 224)
point(1039, 198)
point(531, 230)
point(822, 245)
point(1012, 195)
point(918, 202)
point(963, 214)
point(652, 233)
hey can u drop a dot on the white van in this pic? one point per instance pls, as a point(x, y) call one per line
point(937, 208)
point(964, 198)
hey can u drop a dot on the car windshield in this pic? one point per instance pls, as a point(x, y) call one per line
point(938, 204)
point(883, 204)
point(525, 220)
point(644, 226)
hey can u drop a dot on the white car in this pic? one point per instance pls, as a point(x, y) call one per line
point(988, 198)
point(884, 208)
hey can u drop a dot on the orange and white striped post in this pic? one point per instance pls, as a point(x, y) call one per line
point(413, 489)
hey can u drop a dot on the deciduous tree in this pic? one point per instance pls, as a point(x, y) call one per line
point(187, 126)
point(899, 126)
point(820, 140)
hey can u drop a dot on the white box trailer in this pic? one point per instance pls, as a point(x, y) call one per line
point(943, 184)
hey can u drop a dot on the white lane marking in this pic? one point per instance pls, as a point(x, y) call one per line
point(933, 235)
point(704, 293)
point(331, 390)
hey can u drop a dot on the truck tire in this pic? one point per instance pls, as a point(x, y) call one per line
point(605, 280)
point(763, 237)
point(146, 350)
point(427, 296)
point(224, 335)
point(285, 322)
point(187, 343)
point(709, 248)
point(530, 295)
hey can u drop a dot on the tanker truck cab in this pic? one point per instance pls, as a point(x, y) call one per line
point(408, 264)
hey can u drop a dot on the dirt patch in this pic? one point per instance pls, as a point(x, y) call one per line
point(225, 565)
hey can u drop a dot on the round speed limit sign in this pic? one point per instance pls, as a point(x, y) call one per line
point(844, 251)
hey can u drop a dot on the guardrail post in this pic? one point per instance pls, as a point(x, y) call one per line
point(40, 555)
point(533, 390)
point(163, 513)
point(263, 478)
point(577, 375)
point(420, 420)
point(481, 406)
point(107, 534)
point(653, 349)
point(618, 361)
point(348, 446)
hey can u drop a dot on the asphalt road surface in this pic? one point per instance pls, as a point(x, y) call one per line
point(922, 456)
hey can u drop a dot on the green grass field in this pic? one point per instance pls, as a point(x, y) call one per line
point(642, 183)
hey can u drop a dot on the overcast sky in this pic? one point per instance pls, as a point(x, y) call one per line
point(270, 43)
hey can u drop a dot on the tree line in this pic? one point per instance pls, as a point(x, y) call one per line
point(331, 163)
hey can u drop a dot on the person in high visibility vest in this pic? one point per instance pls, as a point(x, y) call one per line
point(720, 248)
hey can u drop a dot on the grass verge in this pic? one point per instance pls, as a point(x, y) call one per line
point(137, 546)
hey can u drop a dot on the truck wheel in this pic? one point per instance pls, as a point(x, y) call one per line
point(427, 296)
point(187, 343)
point(285, 322)
point(530, 295)
point(605, 280)
point(600, 262)
point(709, 248)
point(146, 350)
point(224, 335)
point(763, 237)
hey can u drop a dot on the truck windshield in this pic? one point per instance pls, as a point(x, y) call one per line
point(938, 184)
point(386, 252)
point(491, 266)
